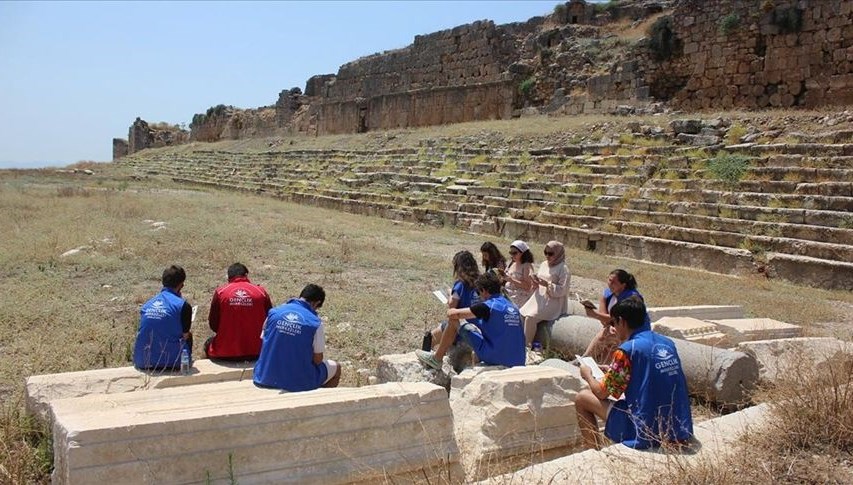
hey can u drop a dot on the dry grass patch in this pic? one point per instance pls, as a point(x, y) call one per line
point(807, 438)
point(81, 311)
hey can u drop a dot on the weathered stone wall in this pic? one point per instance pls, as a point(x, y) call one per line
point(446, 77)
point(141, 136)
point(706, 54)
point(760, 54)
point(418, 108)
point(119, 148)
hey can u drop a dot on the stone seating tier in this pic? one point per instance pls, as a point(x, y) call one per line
point(792, 231)
point(743, 212)
point(565, 180)
point(812, 202)
point(828, 251)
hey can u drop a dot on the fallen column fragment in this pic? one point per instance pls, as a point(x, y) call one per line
point(718, 375)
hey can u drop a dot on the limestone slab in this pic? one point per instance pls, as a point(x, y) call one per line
point(691, 329)
point(619, 464)
point(791, 357)
point(407, 368)
point(42, 389)
point(701, 312)
point(746, 329)
point(190, 435)
point(517, 412)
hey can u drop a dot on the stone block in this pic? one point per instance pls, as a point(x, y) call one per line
point(714, 439)
point(40, 390)
point(407, 368)
point(395, 432)
point(702, 312)
point(692, 330)
point(519, 412)
point(746, 329)
point(793, 356)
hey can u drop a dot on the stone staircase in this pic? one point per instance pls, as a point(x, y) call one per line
point(789, 215)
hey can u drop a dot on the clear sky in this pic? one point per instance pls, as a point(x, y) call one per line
point(74, 75)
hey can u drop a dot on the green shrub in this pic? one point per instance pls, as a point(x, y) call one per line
point(526, 86)
point(729, 168)
point(663, 42)
point(729, 23)
point(735, 133)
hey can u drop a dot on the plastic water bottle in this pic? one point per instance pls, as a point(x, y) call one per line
point(185, 362)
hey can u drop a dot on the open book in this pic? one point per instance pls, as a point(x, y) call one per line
point(441, 295)
point(597, 374)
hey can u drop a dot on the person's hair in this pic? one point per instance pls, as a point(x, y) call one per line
point(489, 282)
point(237, 269)
point(625, 278)
point(632, 309)
point(465, 267)
point(173, 276)
point(527, 257)
point(493, 255)
point(313, 294)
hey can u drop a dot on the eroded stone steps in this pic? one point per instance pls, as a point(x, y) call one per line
point(811, 202)
point(757, 228)
point(754, 243)
point(744, 212)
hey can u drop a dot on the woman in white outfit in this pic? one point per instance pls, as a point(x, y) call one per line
point(550, 299)
point(519, 281)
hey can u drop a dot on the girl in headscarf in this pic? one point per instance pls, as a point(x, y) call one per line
point(550, 299)
point(519, 282)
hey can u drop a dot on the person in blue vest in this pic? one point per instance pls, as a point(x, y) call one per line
point(492, 327)
point(646, 369)
point(164, 325)
point(292, 346)
point(620, 286)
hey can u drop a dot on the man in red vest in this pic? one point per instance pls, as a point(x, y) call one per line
point(237, 314)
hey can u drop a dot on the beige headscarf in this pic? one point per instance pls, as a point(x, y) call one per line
point(559, 252)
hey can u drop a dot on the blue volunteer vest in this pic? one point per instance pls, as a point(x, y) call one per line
point(468, 297)
point(158, 342)
point(503, 334)
point(656, 405)
point(608, 295)
point(287, 349)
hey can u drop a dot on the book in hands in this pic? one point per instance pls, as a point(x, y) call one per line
point(586, 303)
point(597, 374)
point(442, 297)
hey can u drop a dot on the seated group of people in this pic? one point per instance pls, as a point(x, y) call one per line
point(642, 396)
point(288, 341)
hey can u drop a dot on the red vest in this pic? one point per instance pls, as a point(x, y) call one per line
point(237, 315)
